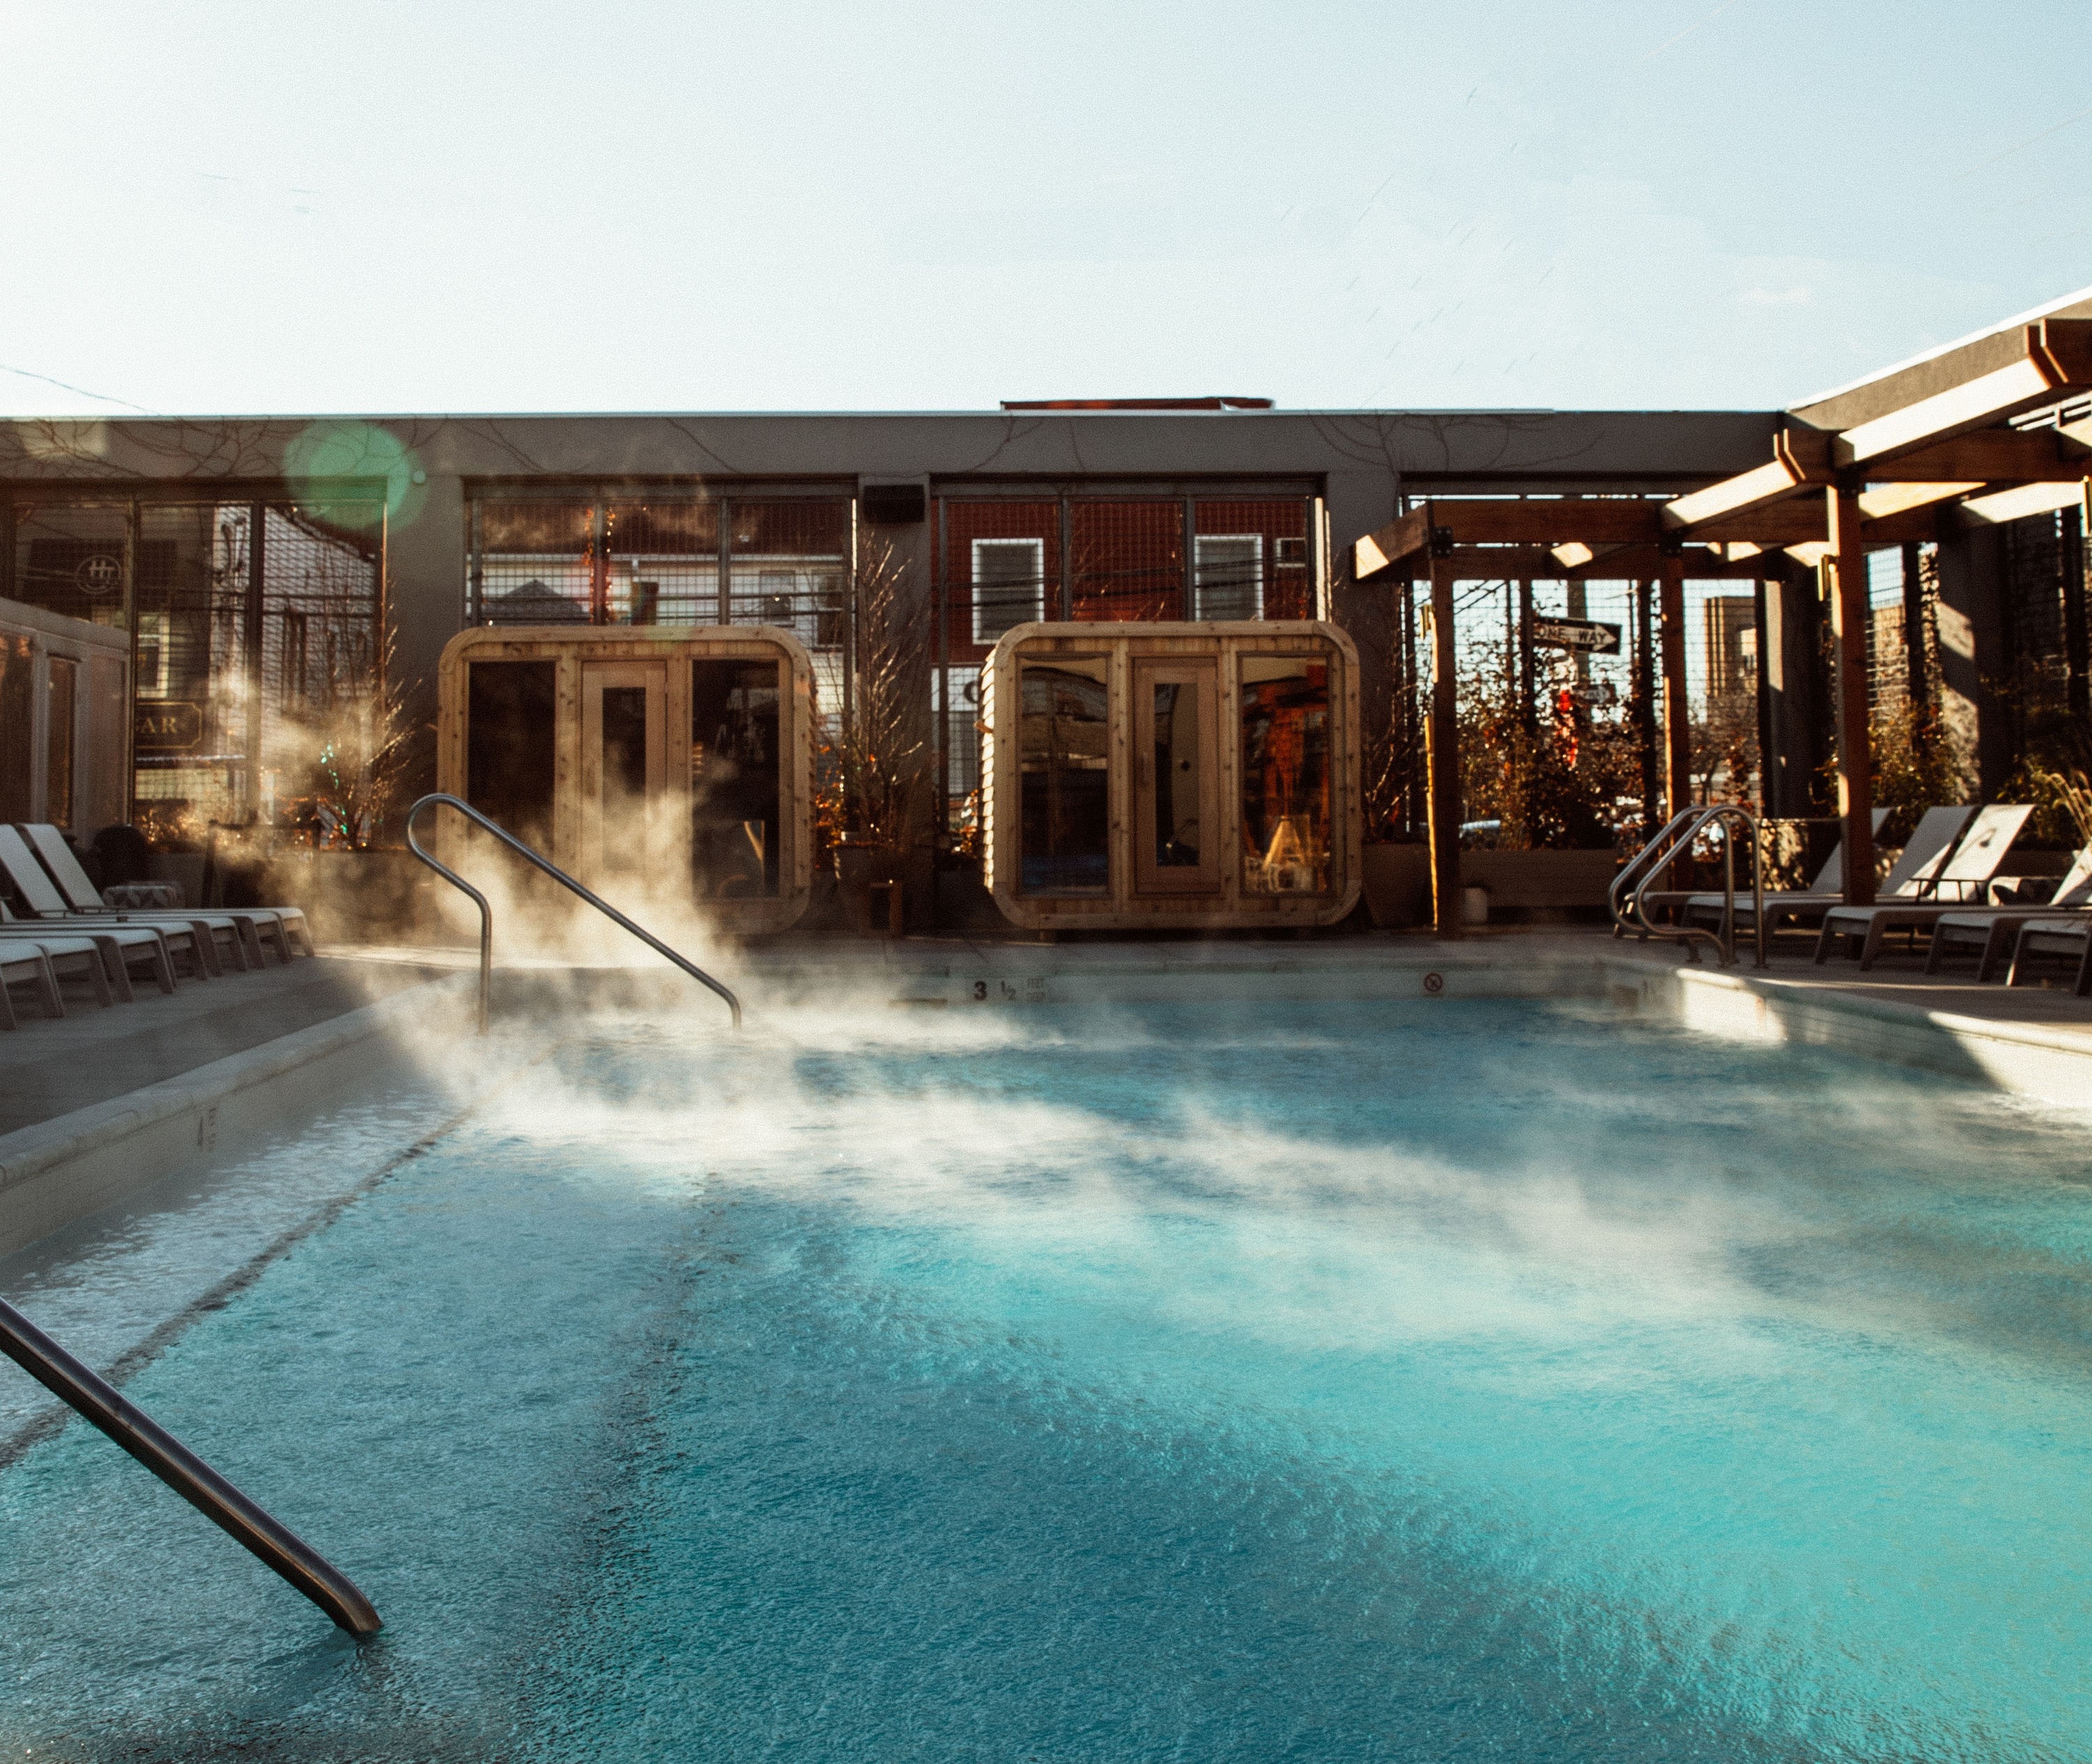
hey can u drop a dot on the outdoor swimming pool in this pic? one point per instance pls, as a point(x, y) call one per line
point(1439, 1381)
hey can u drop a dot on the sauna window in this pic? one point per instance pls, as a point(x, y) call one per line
point(734, 775)
point(1286, 775)
point(509, 746)
point(1066, 793)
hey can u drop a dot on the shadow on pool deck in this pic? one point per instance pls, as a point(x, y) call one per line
point(50, 1067)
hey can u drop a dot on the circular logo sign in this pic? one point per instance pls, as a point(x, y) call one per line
point(99, 575)
point(1434, 983)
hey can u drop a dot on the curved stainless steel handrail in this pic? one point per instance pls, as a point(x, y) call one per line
point(1655, 853)
point(439, 798)
point(95, 1400)
point(1677, 837)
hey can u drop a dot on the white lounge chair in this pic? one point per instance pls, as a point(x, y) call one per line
point(1829, 882)
point(2055, 936)
point(120, 946)
point(195, 934)
point(32, 961)
point(1963, 879)
point(280, 923)
point(23, 963)
point(1915, 864)
point(74, 955)
point(1992, 930)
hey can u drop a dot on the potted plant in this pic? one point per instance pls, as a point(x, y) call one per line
point(875, 762)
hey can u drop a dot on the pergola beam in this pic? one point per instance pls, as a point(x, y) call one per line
point(1552, 539)
point(2050, 354)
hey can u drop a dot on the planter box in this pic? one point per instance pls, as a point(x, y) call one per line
point(1555, 879)
point(1398, 885)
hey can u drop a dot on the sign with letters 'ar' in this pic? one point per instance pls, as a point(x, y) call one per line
point(168, 724)
point(1581, 635)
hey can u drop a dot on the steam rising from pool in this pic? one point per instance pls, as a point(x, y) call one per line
point(1351, 1381)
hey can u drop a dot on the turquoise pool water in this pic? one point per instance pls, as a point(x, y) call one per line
point(1445, 1381)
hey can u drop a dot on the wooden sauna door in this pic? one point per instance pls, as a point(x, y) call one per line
point(1176, 777)
point(624, 772)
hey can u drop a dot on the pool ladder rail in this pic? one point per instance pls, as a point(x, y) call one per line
point(1628, 900)
point(95, 1400)
point(439, 799)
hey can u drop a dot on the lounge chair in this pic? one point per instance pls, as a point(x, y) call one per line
point(2056, 937)
point(34, 959)
point(119, 946)
point(1915, 865)
point(282, 923)
point(1992, 930)
point(197, 934)
point(1967, 874)
point(1829, 881)
point(23, 963)
point(77, 955)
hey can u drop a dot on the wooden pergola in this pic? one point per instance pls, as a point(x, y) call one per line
point(1991, 429)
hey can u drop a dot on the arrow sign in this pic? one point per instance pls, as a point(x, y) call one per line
point(1578, 634)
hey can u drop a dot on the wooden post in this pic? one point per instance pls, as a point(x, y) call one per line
point(1848, 564)
point(1917, 685)
point(1677, 707)
point(1442, 750)
point(253, 634)
point(2077, 638)
point(599, 567)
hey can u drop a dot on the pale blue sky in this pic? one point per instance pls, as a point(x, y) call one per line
point(1675, 203)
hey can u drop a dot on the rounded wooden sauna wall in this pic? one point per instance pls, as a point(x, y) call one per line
point(1172, 776)
point(641, 766)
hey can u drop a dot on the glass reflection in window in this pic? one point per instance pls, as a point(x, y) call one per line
point(1286, 775)
point(735, 774)
point(1066, 797)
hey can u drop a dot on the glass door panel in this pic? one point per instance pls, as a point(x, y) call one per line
point(1065, 786)
point(734, 777)
point(1286, 775)
point(1176, 798)
point(624, 769)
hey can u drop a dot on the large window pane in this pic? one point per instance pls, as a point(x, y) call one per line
point(1066, 798)
point(1286, 775)
point(735, 778)
point(509, 746)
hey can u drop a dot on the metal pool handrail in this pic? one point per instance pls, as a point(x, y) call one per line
point(1627, 900)
point(559, 876)
point(99, 1401)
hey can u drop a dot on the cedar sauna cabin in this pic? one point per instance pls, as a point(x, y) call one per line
point(1157, 775)
point(644, 766)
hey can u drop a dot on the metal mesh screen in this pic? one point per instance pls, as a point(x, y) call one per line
point(1127, 560)
point(1002, 568)
point(662, 563)
point(790, 562)
point(533, 563)
point(69, 558)
point(2044, 639)
point(1250, 560)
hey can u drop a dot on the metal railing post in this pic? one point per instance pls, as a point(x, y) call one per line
point(559, 876)
point(95, 1400)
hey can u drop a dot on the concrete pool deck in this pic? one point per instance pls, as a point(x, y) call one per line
point(99, 1105)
